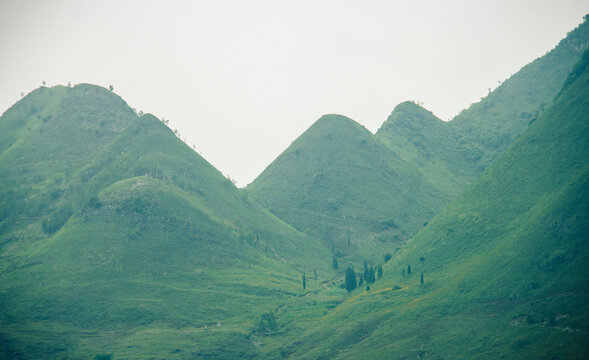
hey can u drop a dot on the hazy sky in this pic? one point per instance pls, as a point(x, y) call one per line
point(243, 79)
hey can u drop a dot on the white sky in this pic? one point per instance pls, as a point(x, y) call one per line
point(243, 79)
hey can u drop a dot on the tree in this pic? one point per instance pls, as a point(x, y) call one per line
point(335, 262)
point(371, 276)
point(379, 271)
point(387, 257)
point(315, 276)
point(304, 282)
point(408, 269)
point(103, 357)
point(111, 88)
point(267, 323)
point(361, 282)
point(365, 270)
point(421, 279)
point(350, 279)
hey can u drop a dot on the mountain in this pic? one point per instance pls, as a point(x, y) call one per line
point(494, 122)
point(504, 266)
point(430, 145)
point(337, 180)
point(114, 230)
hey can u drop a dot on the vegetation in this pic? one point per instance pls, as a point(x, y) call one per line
point(119, 241)
point(507, 261)
point(350, 279)
point(111, 225)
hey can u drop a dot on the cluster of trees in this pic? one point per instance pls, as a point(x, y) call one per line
point(409, 272)
point(369, 276)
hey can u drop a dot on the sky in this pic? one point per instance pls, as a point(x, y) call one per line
point(241, 80)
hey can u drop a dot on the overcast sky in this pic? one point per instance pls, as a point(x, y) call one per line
point(243, 79)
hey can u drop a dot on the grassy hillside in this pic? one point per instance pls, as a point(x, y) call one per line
point(493, 123)
point(114, 233)
point(414, 133)
point(504, 266)
point(337, 180)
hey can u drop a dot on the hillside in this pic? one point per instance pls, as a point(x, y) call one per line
point(493, 123)
point(113, 231)
point(336, 181)
point(504, 265)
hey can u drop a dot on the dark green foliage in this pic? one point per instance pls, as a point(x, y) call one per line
point(370, 278)
point(267, 323)
point(421, 278)
point(408, 269)
point(365, 274)
point(56, 220)
point(334, 262)
point(304, 282)
point(387, 257)
point(379, 271)
point(350, 279)
point(103, 357)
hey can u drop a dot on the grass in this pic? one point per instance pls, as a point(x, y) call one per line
point(339, 181)
point(126, 236)
point(504, 264)
point(117, 238)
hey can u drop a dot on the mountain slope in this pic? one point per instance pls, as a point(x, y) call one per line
point(124, 231)
point(504, 266)
point(319, 184)
point(413, 133)
point(353, 186)
point(494, 122)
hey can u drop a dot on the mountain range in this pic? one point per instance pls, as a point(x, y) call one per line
point(117, 240)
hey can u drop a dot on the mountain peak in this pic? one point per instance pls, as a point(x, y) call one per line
point(410, 114)
point(340, 126)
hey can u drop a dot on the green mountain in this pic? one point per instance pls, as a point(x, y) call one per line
point(113, 231)
point(338, 181)
point(494, 122)
point(119, 241)
point(504, 266)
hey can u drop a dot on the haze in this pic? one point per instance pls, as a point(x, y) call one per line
point(242, 79)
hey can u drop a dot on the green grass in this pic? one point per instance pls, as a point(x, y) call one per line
point(117, 238)
point(338, 180)
point(505, 264)
point(127, 235)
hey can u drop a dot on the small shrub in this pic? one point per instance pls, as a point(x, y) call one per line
point(103, 357)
